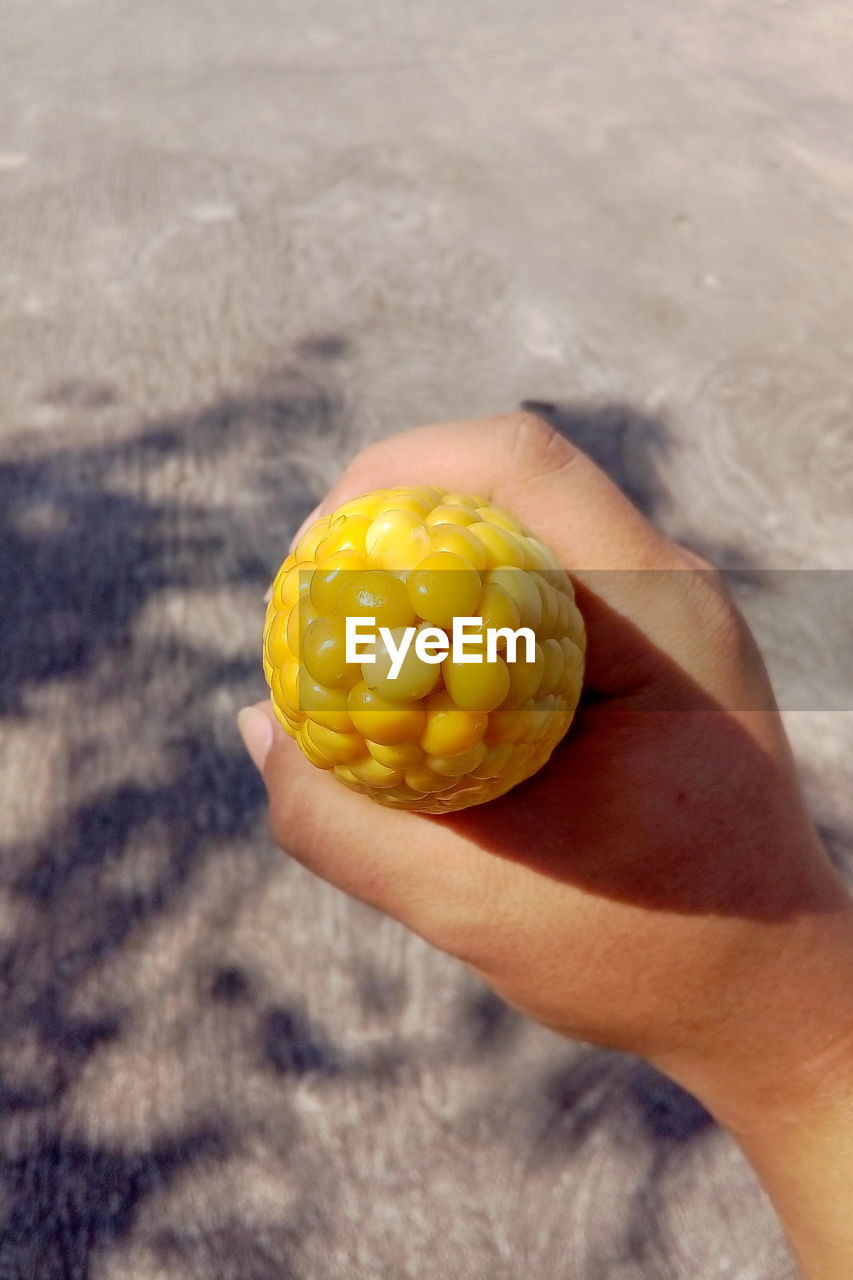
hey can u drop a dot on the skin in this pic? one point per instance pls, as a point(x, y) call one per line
point(659, 887)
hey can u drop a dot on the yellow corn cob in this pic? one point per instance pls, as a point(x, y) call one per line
point(437, 737)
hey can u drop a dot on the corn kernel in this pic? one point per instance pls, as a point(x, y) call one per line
point(347, 533)
point(470, 500)
point(494, 762)
point(521, 588)
point(306, 746)
point(447, 513)
point(508, 725)
point(293, 584)
point(540, 556)
point(324, 704)
point(324, 653)
point(502, 545)
point(573, 660)
point(553, 668)
point(478, 686)
point(344, 774)
point(290, 726)
point(374, 774)
point(449, 729)
point(289, 689)
point(396, 539)
point(326, 579)
point(415, 680)
point(367, 505)
point(549, 600)
point(412, 500)
point(395, 757)
point(497, 608)
point(421, 779)
point(456, 765)
point(306, 547)
point(299, 619)
point(383, 721)
point(377, 594)
point(456, 539)
point(275, 640)
point(502, 519)
point(335, 748)
point(442, 587)
point(524, 678)
point(575, 629)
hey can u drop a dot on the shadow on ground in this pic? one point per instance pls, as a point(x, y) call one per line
point(89, 535)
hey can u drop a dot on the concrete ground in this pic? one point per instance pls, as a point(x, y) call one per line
point(237, 242)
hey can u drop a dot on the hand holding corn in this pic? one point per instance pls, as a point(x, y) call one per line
point(656, 887)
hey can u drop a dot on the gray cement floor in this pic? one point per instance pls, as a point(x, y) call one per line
point(237, 242)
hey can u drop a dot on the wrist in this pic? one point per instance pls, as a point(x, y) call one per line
point(799, 1141)
point(801, 1148)
point(781, 1082)
point(783, 1050)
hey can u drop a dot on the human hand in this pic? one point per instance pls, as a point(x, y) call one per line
point(658, 886)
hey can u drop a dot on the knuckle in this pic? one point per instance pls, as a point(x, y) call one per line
point(534, 447)
point(706, 577)
point(711, 606)
point(660, 552)
point(692, 560)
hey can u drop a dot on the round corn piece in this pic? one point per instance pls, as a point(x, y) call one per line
point(422, 726)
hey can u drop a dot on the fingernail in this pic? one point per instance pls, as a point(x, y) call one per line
point(256, 730)
point(306, 524)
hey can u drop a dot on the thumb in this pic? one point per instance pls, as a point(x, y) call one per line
point(257, 727)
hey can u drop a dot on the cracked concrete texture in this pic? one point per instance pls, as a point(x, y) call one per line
point(237, 242)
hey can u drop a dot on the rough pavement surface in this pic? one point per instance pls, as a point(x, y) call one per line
point(236, 242)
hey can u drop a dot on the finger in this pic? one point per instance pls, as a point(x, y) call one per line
point(521, 463)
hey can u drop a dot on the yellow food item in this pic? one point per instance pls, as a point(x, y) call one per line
point(418, 727)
